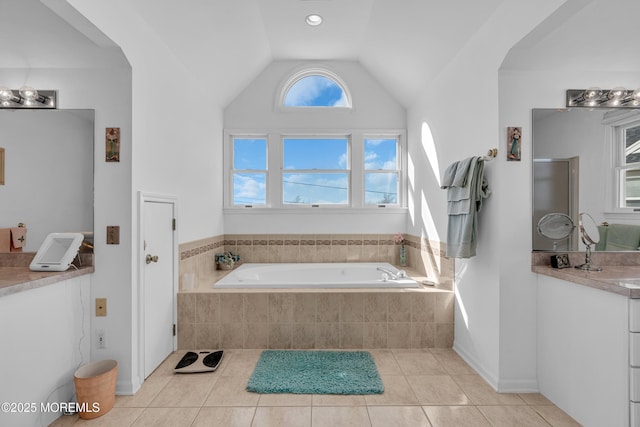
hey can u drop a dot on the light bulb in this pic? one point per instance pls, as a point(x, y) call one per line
point(6, 94)
point(617, 93)
point(28, 93)
point(592, 94)
point(636, 94)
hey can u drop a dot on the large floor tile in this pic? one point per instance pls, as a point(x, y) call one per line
point(282, 416)
point(175, 417)
point(338, 400)
point(386, 362)
point(482, 393)
point(231, 391)
point(343, 416)
point(455, 416)
point(384, 416)
point(437, 390)
point(145, 395)
point(185, 390)
point(418, 362)
point(225, 416)
point(116, 417)
point(509, 416)
point(451, 362)
point(555, 416)
point(397, 391)
point(277, 399)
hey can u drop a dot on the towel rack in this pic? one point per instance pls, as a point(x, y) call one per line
point(491, 154)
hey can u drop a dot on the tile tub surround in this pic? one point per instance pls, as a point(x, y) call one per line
point(316, 319)
point(424, 256)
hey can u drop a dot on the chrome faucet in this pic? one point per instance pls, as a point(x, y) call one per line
point(392, 275)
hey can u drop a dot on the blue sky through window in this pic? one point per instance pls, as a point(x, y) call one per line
point(315, 91)
point(307, 153)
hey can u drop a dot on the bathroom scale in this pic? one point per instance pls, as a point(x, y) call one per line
point(201, 361)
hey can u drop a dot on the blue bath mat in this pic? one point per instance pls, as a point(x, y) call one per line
point(315, 372)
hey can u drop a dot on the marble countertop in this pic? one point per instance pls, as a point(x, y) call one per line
point(15, 275)
point(619, 279)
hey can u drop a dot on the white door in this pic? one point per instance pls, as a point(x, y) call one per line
point(159, 294)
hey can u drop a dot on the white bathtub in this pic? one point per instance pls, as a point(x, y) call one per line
point(313, 275)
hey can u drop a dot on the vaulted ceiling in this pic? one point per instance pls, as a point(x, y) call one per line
point(404, 44)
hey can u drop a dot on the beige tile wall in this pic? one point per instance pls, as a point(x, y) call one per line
point(426, 257)
point(316, 320)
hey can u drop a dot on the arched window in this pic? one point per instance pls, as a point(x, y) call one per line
point(315, 88)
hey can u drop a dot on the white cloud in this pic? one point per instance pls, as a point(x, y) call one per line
point(248, 188)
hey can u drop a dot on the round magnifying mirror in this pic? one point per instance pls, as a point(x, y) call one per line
point(556, 226)
point(588, 229)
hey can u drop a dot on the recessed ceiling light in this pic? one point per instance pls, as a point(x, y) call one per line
point(313, 20)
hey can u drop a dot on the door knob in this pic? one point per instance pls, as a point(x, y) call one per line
point(149, 259)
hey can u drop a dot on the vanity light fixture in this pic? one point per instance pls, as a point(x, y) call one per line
point(595, 97)
point(27, 97)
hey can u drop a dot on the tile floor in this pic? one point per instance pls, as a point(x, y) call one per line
point(432, 387)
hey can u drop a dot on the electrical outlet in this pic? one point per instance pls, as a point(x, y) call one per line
point(101, 339)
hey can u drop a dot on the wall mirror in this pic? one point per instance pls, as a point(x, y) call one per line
point(48, 180)
point(571, 168)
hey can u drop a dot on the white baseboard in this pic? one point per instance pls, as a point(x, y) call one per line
point(501, 386)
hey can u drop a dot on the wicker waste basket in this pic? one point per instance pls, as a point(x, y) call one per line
point(96, 388)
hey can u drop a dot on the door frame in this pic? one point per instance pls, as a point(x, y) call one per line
point(144, 197)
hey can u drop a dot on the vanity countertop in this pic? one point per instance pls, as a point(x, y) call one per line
point(619, 279)
point(15, 275)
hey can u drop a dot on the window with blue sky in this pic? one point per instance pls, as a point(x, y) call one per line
point(316, 91)
point(249, 171)
point(315, 171)
point(381, 170)
point(300, 168)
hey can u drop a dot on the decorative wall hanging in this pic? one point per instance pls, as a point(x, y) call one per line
point(514, 143)
point(112, 145)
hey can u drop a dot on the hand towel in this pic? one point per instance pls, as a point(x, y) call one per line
point(463, 207)
point(622, 237)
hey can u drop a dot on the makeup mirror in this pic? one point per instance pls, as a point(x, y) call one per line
point(556, 226)
point(590, 236)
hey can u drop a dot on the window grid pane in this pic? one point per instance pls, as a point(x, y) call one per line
point(249, 188)
point(631, 188)
point(381, 154)
point(381, 188)
point(316, 153)
point(315, 188)
point(249, 154)
point(632, 144)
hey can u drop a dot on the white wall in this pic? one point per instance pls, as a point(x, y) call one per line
point(45, 337)
point(175, 150)
point(255, 109)
point(457, 116)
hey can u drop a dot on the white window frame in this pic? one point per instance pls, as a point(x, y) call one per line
point(397, 170)
point(346, 171)
point(275, 169)
point(616, 123)
point(230, 171)
point(306, 72)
